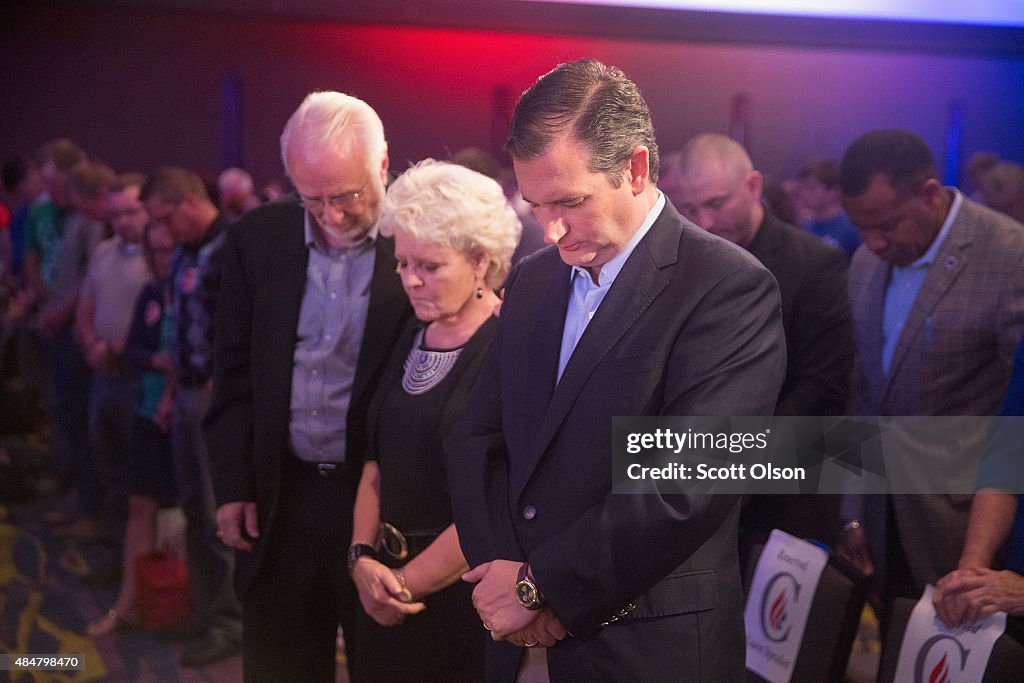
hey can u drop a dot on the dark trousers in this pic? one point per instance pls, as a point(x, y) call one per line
point(210, 562)
point(302, 590)
point(69, 420)
point(112, 405)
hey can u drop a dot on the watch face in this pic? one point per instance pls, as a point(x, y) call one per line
point(526, 593)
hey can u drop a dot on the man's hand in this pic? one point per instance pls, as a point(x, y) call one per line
point(495, 598)
point(545, 630)
point(230, 520)
point(379, 591)
point(966, 596)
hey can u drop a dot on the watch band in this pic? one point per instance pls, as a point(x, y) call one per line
point(527, 593)
point(357, 550)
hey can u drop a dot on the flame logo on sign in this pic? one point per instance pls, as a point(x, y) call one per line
point(781, 591)
point(954, 656)
point(940, 673)
point(777, 614)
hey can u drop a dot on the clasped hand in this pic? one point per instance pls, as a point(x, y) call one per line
point(495, 601)
point(381, 592)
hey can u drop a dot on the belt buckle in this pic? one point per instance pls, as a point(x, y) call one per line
point(393, 542)
point(325, 468)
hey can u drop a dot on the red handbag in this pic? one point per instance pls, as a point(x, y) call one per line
point(163, 595)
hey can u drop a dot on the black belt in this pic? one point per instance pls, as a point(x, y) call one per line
point(324, 469)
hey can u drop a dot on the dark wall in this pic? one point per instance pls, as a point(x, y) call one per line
point(140, 89)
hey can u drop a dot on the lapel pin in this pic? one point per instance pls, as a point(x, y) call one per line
point(950, 262)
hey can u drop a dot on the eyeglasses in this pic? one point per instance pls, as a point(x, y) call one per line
point(339, 202)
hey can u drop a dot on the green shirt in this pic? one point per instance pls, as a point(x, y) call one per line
point(45, 229)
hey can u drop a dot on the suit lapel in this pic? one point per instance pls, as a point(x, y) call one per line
point(283, 264)
point(545, 343)
point(949, 263)
point(636, 287)
point(294, 258)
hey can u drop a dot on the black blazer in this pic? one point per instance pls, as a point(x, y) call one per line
point(815, 314)
point(247, 427)
point(692, 326)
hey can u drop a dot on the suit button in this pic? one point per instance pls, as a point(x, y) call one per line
point(529, 512)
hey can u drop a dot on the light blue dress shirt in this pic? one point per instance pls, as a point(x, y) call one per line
point(586, 296)
point(904, 284)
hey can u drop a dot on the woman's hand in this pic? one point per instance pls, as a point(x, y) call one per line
point(380, 592)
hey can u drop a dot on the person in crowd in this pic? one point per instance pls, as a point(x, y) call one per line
point(975, 590)
point(311, 307)
point(978, 164)
point(969, 595)
point(779, 201)
point(1003, 189)
point(634, 311)
point(236, 193)
point(46, 220)
point(86, 191)
point(274, 189)
point(117, 273)
point(479, 160)
point(819, 194)
point(177, 198)
point(719, 190)
point(149, 466)
point(937, 295)
point(531, 238)
point(24, 186)
point(454, 236)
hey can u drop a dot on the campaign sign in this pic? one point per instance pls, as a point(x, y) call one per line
point(779, 603)
point(933, 653)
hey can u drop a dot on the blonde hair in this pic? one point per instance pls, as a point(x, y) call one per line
point(436, 202)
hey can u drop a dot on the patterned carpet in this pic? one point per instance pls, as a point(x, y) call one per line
point(45, 604)
point(44, 607)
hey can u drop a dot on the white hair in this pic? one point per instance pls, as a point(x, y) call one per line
point(325, 120)
point(436, 202)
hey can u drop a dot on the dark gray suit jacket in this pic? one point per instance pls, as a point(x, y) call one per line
point(691, 326)
point(247, 428)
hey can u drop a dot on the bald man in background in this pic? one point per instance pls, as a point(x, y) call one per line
point(713, 183)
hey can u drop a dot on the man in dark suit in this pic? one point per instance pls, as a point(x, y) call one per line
point(715, 185)
point(310, 307)
point(635, 312)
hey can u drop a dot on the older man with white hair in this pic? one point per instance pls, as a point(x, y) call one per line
point(311, 307)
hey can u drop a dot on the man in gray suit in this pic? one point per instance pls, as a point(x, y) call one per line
point(937, 296)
